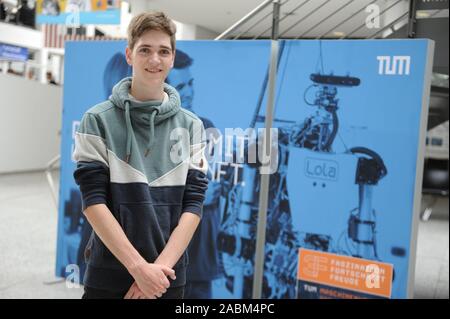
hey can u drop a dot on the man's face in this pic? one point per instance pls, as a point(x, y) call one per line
point(182, 81)
point(151, 58)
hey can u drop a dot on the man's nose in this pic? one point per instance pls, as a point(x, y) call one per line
point(154, 58)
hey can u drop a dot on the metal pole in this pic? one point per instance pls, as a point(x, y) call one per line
point(250, 15)
point(276, 19)
point(411, 30)
point(259, 21)
point(267, 145)
point(265, 178)
point(285, 16)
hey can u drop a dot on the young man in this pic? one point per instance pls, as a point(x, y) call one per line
point(142, 179)
point(203, 265)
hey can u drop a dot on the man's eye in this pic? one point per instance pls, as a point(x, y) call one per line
point(165, 52)
point(144, 50)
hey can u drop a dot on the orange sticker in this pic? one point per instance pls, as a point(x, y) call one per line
point(351, 273)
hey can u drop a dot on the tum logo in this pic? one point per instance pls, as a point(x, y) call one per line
point(394, 65)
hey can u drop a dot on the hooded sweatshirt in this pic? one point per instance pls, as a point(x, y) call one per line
point(145, 161)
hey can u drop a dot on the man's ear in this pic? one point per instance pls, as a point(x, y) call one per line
point(128, 56)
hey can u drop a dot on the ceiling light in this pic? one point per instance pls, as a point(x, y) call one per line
point(422, 14)
point(338, 33)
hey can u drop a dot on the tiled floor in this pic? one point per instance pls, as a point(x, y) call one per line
point(28, 223)
point(432, 254)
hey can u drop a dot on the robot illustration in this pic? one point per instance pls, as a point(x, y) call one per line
point(321, 171)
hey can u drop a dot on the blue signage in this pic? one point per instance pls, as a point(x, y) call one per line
point(13, 53)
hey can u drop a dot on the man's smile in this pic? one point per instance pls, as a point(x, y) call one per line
point(153, 70)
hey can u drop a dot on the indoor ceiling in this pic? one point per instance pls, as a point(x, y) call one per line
point(301, 18)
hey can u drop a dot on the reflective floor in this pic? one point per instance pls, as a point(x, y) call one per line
point(28, 225)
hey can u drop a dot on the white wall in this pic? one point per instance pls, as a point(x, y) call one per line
point(30, 122)
point(21, 36)
point(185, 31)
point(193, 32)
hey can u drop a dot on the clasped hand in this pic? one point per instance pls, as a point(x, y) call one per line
point(150, 281)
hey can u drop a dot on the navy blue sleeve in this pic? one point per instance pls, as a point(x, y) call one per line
point(194, 192)
point(93, 179)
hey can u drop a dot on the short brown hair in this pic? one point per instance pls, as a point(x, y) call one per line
point(147, 21)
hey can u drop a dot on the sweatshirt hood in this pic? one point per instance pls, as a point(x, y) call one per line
point(143, 113)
